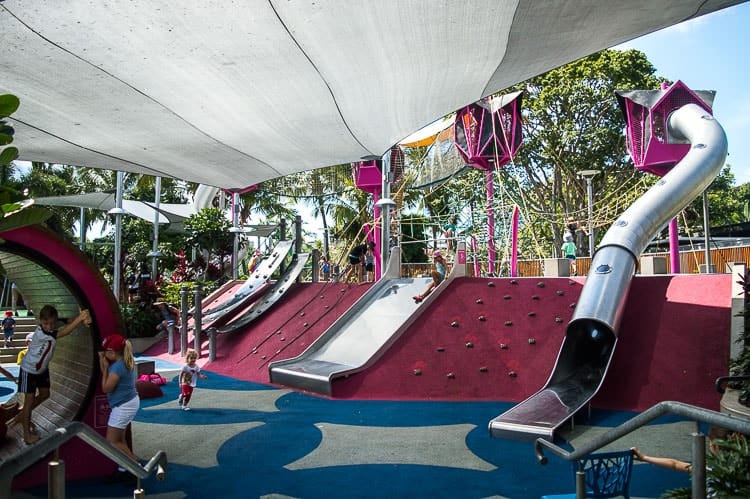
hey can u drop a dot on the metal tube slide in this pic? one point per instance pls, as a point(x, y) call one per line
point(591, 335)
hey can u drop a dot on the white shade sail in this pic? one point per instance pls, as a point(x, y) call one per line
point(229, 94)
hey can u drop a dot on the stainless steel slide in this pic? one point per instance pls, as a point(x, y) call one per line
point(252, 286)
point(362, 334)
point(591, 335)
point(265, 300)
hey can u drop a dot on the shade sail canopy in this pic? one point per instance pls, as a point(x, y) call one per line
point(229, 94)
point(168, 213)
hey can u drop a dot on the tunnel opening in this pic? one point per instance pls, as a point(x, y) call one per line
point(50, 270)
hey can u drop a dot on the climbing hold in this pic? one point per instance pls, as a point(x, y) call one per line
point(282, 339)
point(278, 331)
point(491, 284)
point(304, 324)
point(451, 375)
point(417, 372)
point(440, 349)
point(572, 305)
point(302, 314)
point(508, 323)
point(321, 297)
point(532, 341)
point(255, 350)
point(454, 324)
point(479, 301)
point(503, 346)
point(514, 281)
point(534, 297)
point(558, 319)
point(263, 357)
point(531, 314)
point(560, 292)
point(506, 297)
point(512, 374)
point(326, 306)
point(482, 318)
point(540, 284)
point(469, 344)
point(483, 369)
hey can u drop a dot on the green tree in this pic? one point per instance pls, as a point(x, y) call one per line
point(571, 123)
point(209, 230)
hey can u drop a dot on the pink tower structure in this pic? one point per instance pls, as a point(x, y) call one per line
point(368, 176)
point(648, 140)
point(487, 135)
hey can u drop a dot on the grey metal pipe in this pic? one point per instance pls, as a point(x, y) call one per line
point(56, 479)
point(698, 470)
point(580, 484)
point(184, 305)
point(29, 456)
point(694, 413)
point(197, 316)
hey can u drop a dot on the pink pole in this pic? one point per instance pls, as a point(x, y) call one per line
point(476, 260)
point(490, 222)
point(674, 246)
point(514, 244)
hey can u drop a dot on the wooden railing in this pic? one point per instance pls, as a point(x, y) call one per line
point(690, 262)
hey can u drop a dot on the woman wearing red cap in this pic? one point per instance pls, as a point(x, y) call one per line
point(118, 382)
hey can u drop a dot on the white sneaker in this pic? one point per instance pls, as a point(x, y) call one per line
point(179, 400)
point(185, 408)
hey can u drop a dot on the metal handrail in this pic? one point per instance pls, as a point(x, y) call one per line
point(697, 414)
point(29, 456)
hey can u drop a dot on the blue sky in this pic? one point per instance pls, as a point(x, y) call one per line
point(711, 53)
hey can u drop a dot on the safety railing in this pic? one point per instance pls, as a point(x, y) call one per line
point(52, 443)
point(697, 414)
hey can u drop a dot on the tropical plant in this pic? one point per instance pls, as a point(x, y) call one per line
point(15, 211)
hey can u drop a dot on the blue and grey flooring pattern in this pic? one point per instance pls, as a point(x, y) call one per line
point(248, 440)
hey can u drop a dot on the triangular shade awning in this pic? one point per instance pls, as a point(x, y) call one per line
point(230, 94)
point(105, 201)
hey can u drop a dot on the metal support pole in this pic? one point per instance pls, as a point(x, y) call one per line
point(155, 253)
point(197, 304)
point(580, 484)
point(282, 237)
point(170, 339)
point(385, 211)
point(706, 233)
point(82, 231)
point(698, 473)
point(236, 231)
point(590, 193)
point(118, 212)
point(56, 479)
point(212, 344)
point(315, 265)
point(184, 305)
point(297, 234)
point(589, 175)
